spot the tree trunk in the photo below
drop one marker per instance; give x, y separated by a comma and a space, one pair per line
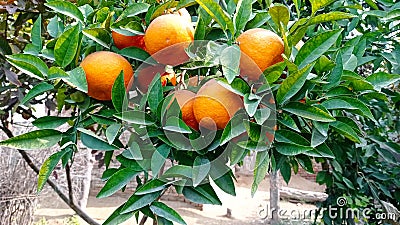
274, 197
86, 181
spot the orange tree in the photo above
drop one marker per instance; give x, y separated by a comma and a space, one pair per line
317, 93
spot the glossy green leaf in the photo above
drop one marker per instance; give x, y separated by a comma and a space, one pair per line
112, 132
292, 149
38, 139
136, 202
229, 61
382, 79
117, 181
175, 124
118, 93
92, 141
234, 128
345, 130
36, 90
50, 122
66, 8
260, 170
117, 217
135, 117
274, 72
315, 47
162, 210
201, 167
202, 194
317, 138
134, 9
279, 14
99, 35
218, 14
66, 46
242, 14
77, 79
155, 93
309, 112
289, 122
48, 166
348, 103
29, 64
225, 182
159, 157
288, 136
317, 4
36, 34
258, 20
179, 171
329, 16
292, 84
151, 186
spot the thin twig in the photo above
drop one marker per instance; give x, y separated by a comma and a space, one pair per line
69, 183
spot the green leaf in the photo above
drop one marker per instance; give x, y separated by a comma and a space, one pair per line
202, 194
242, 14
382, 79
36, 90
273, 72
309, 112
175, 124
279, 14
317, 4
260, 170
117, 217
166, 212
99, 35
118, 180
159, 157
201, 167
77, 79
163, 221
317, 138
178, 171
260, 19
150, 187
288, 136
292, 84
336, 73
348, 103
329, 16
29, 64
218, 14
50, 122
118, 94
291, 149
155, 93
92, 141
112, 132
234, 128
134, 9
289, 122
38, 139
225, 182
286, 171
345, 130
136, 202
66, 8
135, 117
229, 61
135, 151
162, 8
48, 166
316, 47
36, 34
66, 46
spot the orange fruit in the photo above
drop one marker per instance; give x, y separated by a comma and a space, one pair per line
146, 74
185, 101
215, 105
184, 13
169, 30
124, 41
262, 46
101, 69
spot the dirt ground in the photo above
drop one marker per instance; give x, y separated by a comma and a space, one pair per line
245, 210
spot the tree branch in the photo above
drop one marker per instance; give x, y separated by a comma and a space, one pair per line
69, 183
52, 184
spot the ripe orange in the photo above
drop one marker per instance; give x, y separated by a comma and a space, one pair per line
170, 30
146, 74
102, 68
185, 101
124, 41
215, 105
262, 46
